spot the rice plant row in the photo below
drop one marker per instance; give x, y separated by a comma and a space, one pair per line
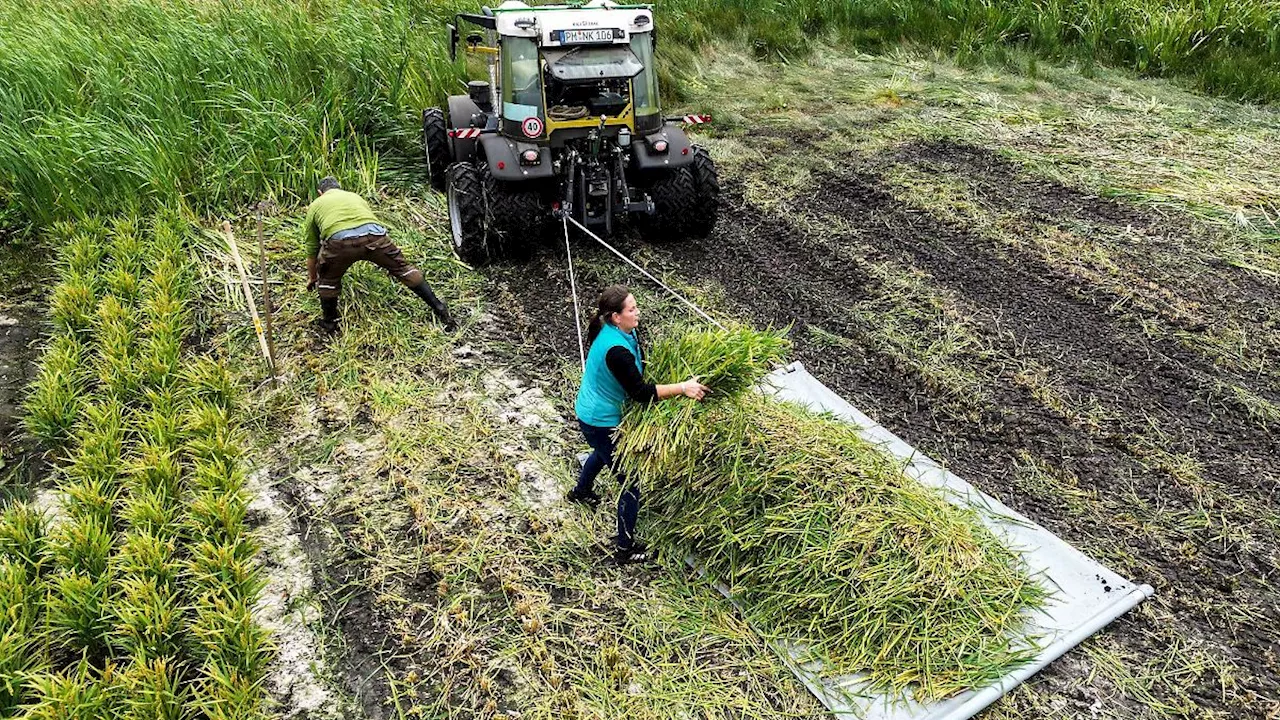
819, 535
134, 597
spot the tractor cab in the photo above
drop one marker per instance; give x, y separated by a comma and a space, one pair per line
568, 119
553, 66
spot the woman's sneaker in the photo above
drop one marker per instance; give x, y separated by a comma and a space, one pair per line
637, 553
590, 497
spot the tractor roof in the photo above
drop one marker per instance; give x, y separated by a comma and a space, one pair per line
545, 22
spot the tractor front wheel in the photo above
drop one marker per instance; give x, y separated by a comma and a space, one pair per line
519, 214
468, 213
673, 193
435, 145
706, 203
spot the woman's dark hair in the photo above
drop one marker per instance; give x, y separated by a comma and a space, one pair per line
611, 301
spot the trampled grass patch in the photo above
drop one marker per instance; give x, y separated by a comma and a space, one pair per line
820, 536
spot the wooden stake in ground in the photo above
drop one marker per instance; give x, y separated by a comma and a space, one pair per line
248, 296
266, 301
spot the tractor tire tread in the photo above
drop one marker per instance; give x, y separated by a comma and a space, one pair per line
707, 193
518, 217
674, 194
466, 189
435, 146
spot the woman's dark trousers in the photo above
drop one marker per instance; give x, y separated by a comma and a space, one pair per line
601, 441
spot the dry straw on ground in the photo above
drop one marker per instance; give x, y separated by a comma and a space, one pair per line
819, 535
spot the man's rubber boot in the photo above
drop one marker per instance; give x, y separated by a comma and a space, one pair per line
423, 290
329, 323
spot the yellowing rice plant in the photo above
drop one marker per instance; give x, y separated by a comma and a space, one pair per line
820, 536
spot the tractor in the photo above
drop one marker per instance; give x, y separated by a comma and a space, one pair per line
567, 123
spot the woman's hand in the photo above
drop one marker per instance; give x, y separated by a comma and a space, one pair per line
691, 388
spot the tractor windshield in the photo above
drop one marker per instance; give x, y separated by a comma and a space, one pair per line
585, 63
645, 84
521, 79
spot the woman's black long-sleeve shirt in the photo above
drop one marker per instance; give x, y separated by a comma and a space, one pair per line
622, 364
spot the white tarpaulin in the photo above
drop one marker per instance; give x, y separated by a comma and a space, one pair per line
1085, 596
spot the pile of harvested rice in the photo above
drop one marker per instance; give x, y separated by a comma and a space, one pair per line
819, 535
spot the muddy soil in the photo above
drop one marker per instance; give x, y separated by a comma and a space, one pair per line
19, 331
366, 647
21, 328
1180, 258
1211, 578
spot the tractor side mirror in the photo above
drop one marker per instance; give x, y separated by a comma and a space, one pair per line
453, 43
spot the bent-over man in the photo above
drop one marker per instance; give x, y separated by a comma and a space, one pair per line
341, 229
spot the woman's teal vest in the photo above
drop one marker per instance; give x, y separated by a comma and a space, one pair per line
601, 396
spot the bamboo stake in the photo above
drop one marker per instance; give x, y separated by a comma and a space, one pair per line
266, 301
248, 296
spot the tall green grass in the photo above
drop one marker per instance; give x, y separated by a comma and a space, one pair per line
110, 105
131, 104
1230, 48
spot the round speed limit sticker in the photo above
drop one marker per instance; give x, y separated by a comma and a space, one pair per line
532, 127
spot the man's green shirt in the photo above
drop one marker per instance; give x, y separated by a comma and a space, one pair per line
333, 212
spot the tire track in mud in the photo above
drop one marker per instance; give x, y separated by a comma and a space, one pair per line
762, 261
1062, 322
1175, 251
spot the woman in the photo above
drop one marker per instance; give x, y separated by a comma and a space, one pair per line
614, 373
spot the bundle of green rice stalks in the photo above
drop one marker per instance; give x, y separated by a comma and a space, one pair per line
729, 361
821, 537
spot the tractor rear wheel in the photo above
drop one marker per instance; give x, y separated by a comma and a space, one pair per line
435, 145
674, 196
706, 202
519, 216
468, 213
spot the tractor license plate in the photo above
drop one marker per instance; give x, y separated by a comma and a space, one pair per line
586, 36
